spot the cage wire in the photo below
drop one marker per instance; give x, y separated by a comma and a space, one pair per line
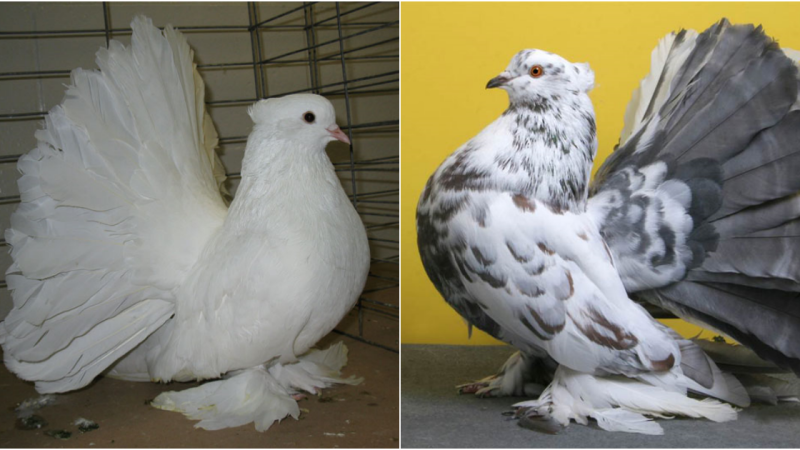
347, 52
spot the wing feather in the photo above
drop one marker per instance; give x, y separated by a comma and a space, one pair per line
573, 305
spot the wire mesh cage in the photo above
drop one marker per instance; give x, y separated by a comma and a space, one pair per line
348, 52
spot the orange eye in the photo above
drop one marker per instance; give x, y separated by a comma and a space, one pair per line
537, 71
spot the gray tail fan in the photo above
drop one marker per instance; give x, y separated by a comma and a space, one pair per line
718, 142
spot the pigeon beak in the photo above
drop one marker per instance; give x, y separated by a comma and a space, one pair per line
338, 134
499, 81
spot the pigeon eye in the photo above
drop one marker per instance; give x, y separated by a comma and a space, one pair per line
537, 71
309, 117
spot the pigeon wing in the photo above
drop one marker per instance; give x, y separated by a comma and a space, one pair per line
545, 280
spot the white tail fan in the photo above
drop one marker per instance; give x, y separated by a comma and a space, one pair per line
118, 198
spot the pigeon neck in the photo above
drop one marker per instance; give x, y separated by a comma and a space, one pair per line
552, 145
543, 152
281, 173
270, 153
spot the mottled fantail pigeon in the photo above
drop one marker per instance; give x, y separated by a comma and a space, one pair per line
696, 211
128, 262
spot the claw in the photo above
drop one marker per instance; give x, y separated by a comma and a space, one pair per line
523, 376
486, 388
472, 388
488, 392
492, 387
536, 415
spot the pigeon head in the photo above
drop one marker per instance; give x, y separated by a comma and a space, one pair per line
307, 119
536, 74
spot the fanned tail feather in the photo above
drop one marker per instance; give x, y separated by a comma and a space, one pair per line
666, 59
724, 124
119, 195
736, 358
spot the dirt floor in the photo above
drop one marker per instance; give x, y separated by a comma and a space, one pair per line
366, 415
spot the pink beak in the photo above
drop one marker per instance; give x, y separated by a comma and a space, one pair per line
338, 134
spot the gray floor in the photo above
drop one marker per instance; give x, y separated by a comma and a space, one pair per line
434, 415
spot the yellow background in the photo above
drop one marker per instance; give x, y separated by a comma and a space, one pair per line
450, 51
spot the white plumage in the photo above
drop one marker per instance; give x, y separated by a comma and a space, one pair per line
127, 259
616, 403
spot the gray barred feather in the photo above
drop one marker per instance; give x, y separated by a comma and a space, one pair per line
728, 132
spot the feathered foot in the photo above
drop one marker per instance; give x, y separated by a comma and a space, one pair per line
521, 375
537, 416
262, 394
616, 403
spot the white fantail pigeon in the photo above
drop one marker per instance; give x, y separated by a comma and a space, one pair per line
696, 210
128, 262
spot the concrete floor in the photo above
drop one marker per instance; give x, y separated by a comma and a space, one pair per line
344, 416
434, 415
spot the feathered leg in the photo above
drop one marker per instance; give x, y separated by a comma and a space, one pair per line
521, 375
617, 404
263, 394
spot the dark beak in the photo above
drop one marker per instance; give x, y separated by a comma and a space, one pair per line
497, 81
